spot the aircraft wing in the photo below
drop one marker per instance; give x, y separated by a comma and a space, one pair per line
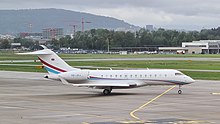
97, 84
103, 83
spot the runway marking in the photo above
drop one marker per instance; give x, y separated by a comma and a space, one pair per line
85, 123
139, 108
215, 93
133, 122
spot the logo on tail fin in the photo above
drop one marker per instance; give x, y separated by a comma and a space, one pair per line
51, 68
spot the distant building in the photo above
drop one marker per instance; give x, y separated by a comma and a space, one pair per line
123, 52
194, 47
46, 35
52, 33
151, 48
203, 46
6, 36
15, 45
173, 50
149, 27
30, 35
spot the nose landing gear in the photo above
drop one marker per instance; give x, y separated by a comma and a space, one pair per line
179, 91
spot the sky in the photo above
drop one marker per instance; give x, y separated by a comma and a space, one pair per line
169, 14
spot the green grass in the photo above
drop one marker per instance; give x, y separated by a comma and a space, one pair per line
198, 65
203, 75
88, 56
21, 68
13, 56
166, 64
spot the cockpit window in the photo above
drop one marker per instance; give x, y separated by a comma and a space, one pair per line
178, 74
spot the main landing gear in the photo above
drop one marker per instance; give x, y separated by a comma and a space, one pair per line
179, 91
107, 91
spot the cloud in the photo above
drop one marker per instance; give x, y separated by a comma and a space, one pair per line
141, 16
164, 13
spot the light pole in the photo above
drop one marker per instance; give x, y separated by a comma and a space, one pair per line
108, 44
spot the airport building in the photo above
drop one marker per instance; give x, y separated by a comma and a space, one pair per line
194, 47
172, 50
150, 48
202, 47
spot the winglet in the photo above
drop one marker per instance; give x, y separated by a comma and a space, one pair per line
40, 52
43, 46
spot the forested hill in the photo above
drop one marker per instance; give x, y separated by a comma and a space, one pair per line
34, 20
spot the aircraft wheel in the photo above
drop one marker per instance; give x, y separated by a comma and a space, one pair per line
106, 92
179, 91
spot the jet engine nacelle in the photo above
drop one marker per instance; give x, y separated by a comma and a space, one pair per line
52, 76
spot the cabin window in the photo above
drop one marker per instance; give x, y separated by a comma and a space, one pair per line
150, 75
136, 76
116, 75
110, 75
101, 75
126, 76
165, 75
178, 74
131, 76
155, 75
145, 75
120, 75
140, 76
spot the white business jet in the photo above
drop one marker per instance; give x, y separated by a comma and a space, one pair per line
107, 79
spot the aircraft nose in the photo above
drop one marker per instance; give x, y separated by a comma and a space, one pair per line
190, 80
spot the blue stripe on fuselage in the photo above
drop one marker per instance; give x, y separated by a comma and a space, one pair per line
51, 70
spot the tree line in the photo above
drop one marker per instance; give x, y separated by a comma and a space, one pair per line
100, 39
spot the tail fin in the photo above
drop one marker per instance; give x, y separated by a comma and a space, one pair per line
51, 61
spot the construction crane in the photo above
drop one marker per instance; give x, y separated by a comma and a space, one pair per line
74, 28
83, 23
75, 23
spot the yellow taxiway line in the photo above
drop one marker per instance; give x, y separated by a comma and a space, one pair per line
139, 108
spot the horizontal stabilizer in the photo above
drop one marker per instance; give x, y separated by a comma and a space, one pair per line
40, 52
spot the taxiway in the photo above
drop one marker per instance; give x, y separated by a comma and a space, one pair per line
29, 98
